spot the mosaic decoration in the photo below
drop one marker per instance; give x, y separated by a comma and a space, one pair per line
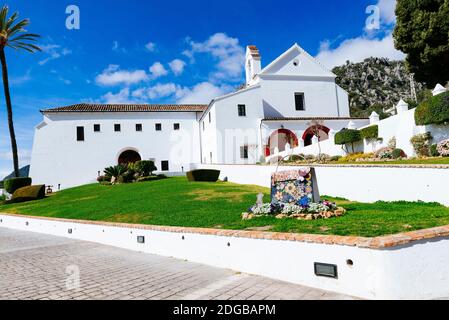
294, 187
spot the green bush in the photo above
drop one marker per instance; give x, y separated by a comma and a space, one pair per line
434, 150
145, 168
434, 110
203, 175
336, 158
370, 133
115, 171
421, 144
398, 153
11, 185
29, 193
346, 136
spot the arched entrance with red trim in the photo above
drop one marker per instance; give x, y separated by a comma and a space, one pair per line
312, 131
279, 139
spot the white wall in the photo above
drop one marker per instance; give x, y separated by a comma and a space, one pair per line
58, 158
418, 271
364, 184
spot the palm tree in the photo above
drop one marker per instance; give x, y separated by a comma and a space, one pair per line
13, 35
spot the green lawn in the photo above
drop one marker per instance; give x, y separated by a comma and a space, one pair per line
176, 202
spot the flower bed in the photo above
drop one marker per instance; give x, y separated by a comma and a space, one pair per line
311, 211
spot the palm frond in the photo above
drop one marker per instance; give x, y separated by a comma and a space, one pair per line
23, 45
11, 20
26, 36
3, 15
19, 27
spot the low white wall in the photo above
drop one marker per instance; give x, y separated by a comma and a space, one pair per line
365, 184
414, 272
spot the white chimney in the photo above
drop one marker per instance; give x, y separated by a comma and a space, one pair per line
438, 89
374, 117
253, 64
401, 107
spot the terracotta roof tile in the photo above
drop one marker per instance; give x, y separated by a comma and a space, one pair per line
84, 107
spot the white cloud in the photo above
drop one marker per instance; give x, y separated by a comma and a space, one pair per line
117, 48
387, 11
112, 76
24, 155
157, 70
150, 46
177, 66
162, 90
53, 52
358, 49
121, 97
229, 56
202, 93
21, 79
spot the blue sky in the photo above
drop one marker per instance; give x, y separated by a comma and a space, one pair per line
138, 51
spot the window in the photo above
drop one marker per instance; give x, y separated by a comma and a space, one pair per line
165, 166
244, 152
299, 102
117, 127
139, 127
97, 128
242, 110
204, 126
211, 157
79, 133
158, 127
176, 126
210, 117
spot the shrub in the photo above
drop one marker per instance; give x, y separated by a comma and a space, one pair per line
384, 153
11, 185
434, 110
398, 153
370, 133
421, 144
203, 175
296, 157
323, 157
128, 176
29, 193
101, 179
347, 136
392, 143
443, 148
336, 158
434, 150
354, 157
115, 171
145, 168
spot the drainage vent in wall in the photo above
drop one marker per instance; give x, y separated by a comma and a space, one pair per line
141, 239
70, 231
326, 270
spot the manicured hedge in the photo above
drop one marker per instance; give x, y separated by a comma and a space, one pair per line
203, 175
369, 133
152, 178
30, 193
346, 136
433, 111
11, 185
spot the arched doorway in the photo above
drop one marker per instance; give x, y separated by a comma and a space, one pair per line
129, 156
279, 139
323, 133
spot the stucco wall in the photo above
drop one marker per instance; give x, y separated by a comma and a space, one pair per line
416, 271
365, 184
58, 158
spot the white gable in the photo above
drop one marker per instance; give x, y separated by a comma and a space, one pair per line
296, 62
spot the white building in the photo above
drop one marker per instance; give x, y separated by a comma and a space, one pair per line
277, 109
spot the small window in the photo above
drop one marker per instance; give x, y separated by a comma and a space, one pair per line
242, 110
139, 127
204, 126
79, 133
299, 102
97, 128
158, 127
211, 157
210, 117
117, 127
244, 152
176, 126
165, 166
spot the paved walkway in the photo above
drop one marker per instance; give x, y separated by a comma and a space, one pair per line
35, 266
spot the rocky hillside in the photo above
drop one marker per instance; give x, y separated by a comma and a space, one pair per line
375, 84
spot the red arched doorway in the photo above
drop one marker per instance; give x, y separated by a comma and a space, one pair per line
279, 139
312, 131
129, 156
